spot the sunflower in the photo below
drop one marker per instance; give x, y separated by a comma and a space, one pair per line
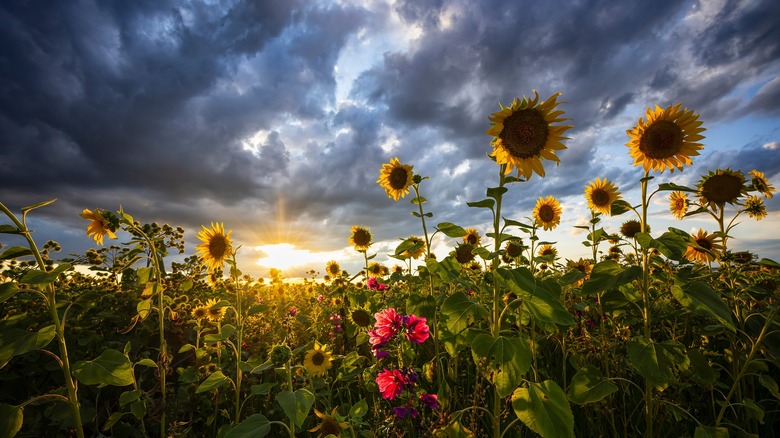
214, 314
678, 204
667, 139
463, 253
361, 318
99, 227
317, 360
395, 178
547, 212
398, 269
548, 251
333, 268
583, 266
615, 252
761, 184
330, 425
600, 194
200, 312
721, 186
472, 237
631, 228
374, 269
415, 254
360, 238
514, 248
524, 134
704, 249
754, 207
216, 246
473, 266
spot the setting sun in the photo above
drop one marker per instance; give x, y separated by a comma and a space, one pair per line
284, 256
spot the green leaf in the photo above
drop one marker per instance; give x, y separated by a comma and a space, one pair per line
112, 420
129, 397
510, 359
701, 370
711, 432
453, 430
411, 245
607, 275
34, 276
421, 305
656, 361
543, 407
7, 290
770, 384
698, 297
769, 263
16, 342
9, 229
226, 332
11, 419
418, 200
138, 409
541, 303
212, 382
143, 275
254, 426
619, 207
296, 405
359, 409
14, 252
146, 362
671, 244
143, 308
38, 205
110, 368
451, 230
485, 203
588, 386
675, 187
458, 311
496, 192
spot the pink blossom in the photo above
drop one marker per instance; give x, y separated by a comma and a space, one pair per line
388, 323
430, 400
391, 383
417, 330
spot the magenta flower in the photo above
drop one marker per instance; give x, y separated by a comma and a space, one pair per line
417, 330
430, 400
293, 311
403, 411
391, 383
388, 323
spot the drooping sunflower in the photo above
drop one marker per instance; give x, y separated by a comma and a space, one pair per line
395, 178
463, 253
667, 139
548, 251
317, 360
720, 187
360, 238
330, 424
705, 249
524, 134
214, 313
333, 268
472, 237
583, 266
678, 204
631, 227
754, 207
99, 227
547, 212
200, 312
415, 253
600, 194
761, 184
216, 246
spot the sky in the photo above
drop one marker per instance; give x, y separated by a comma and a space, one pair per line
275, 117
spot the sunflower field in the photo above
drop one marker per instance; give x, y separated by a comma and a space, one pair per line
665, 334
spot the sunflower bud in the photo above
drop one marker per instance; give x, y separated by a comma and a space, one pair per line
280, 354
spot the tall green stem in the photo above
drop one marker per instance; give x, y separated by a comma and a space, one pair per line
240, 330
496, 326
646, 308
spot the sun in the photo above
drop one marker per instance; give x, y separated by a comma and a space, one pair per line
284, 256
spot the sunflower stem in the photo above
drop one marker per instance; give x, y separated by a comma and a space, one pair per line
646, 309
496, 327
240, 333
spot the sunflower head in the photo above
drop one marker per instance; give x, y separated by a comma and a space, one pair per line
214, 313
547, 212
600, 194
463, 253
473, 266
548, 252
216, 246
514, 248
615, 252
524, 134
761, 184
200, 312
720, 187
332, 268
395, 178
330, 424
317, 360
375, 269
703, 248
360, 238
678, 204
280, 354
631, 228
754, 207
472, 237
667, 139
102, 223
415, 253
361, 318
583, 266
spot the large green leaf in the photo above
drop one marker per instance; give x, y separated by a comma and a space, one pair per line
110, 368
16, 342
451, 230
7, 290
11, 419
607, 275
509, 358
34, 276
9, 229
14, 252
225, 332
296, 405
458, 311
698, 297
541, 303
253, 426
671, 244
212, 382
701, 370
588, 386
657, 361
543, 407
421, 305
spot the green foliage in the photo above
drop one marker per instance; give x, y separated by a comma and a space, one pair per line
543, 407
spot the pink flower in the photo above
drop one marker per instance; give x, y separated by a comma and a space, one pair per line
391, 383
430, 400
320, 298
293, 311
388, 323
377, 343
417, 330
403, 411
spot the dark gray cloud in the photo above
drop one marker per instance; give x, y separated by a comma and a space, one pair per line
190, 112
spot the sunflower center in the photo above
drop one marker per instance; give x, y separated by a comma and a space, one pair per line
662, 139
514, 250
722, 188
329, 427
600, 197
546, 213
361, 237
318, 358
471, 239
547, 252
217, 247
525, 133
679, 204
704, 243
398, 178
